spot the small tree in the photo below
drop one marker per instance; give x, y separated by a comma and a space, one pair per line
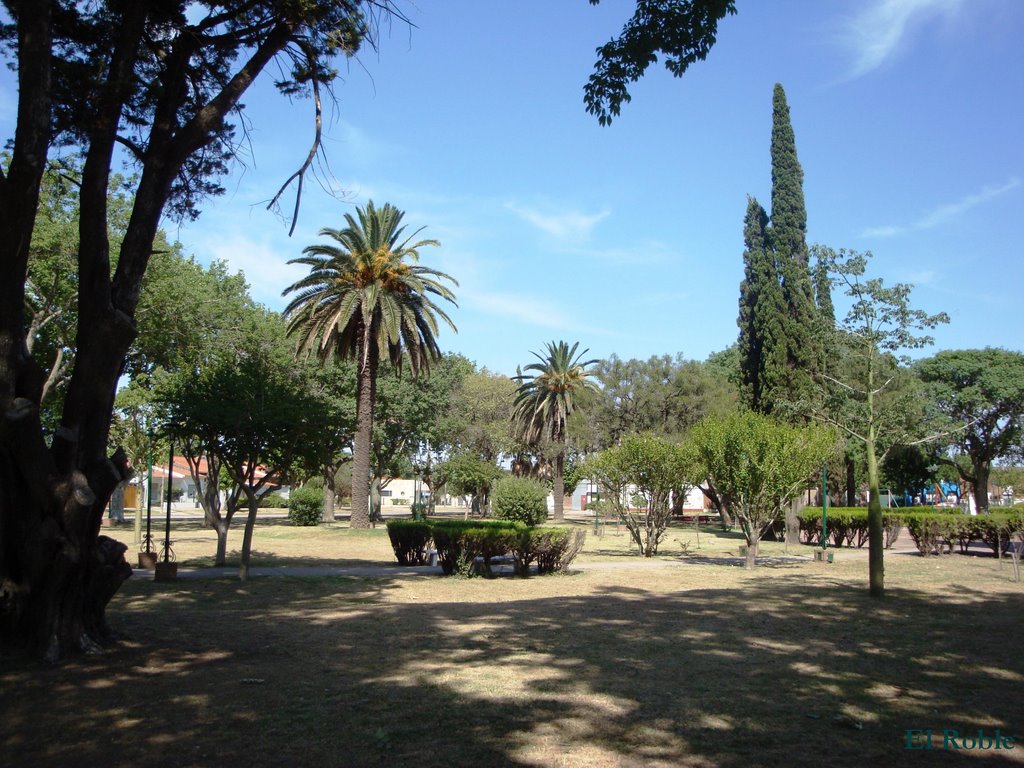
464, 474
647, 469
759, 465
865, 400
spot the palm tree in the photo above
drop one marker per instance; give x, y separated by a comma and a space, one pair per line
545, 400
366, 297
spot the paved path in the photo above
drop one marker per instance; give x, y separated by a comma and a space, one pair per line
313, 571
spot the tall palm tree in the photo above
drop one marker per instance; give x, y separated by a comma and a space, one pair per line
367, 297
544, 401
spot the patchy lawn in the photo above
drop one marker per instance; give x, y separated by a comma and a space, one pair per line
699, 663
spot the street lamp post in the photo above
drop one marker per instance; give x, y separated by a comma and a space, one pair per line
167, 570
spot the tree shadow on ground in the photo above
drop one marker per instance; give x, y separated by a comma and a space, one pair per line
337, 672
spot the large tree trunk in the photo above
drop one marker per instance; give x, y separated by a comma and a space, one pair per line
750, 563
366, 390
327, 515
982, 471
558, 483
793, 510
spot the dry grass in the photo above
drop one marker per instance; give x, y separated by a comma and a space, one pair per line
699, 664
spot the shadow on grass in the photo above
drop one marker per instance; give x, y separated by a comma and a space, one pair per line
336, 672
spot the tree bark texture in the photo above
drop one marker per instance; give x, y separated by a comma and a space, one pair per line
558, 481
57, 574
330, 492
366, 390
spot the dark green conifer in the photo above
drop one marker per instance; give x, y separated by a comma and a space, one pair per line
760, 311
787, 237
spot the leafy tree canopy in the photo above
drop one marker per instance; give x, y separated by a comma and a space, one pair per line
682, 31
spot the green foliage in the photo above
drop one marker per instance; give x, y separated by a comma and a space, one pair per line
553, 549
663, 395
411, 411
464, 473
977, 397
460, 542
650, 468
273, 501
519, 499
545, 400
371, 278
368, 298
779, 322
847, 526
305, 506
410, 540
870, 398
479, 421
758, 464
680, 33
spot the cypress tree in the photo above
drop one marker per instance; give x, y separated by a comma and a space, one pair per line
760, 312
787, 238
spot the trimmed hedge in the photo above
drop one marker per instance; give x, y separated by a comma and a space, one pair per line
934, 533
410, 540
306, 506
460, 542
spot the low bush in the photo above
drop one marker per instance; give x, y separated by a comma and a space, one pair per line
273, 501
934, 533
555, 548
410, 539
305, 506
519, 499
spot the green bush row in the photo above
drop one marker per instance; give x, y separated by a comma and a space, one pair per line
933, 532
460, 542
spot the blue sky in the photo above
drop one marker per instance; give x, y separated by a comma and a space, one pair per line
909, 118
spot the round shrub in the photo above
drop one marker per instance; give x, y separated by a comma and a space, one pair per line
305, 506
519, 499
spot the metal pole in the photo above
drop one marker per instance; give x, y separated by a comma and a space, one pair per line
824, 507
167, 530
149, 498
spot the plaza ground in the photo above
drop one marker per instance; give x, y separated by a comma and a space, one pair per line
688, 661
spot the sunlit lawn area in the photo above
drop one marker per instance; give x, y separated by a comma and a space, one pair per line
699, 663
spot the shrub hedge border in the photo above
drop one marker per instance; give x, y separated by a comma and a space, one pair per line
933, 532
460, 542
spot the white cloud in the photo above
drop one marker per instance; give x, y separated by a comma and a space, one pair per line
265, 267
563, 225
877, 33
945, 212
530, 310
951, 210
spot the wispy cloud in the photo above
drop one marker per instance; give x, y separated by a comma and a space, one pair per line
945, 212
265, 267
530, 310
562, 225
877, 33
